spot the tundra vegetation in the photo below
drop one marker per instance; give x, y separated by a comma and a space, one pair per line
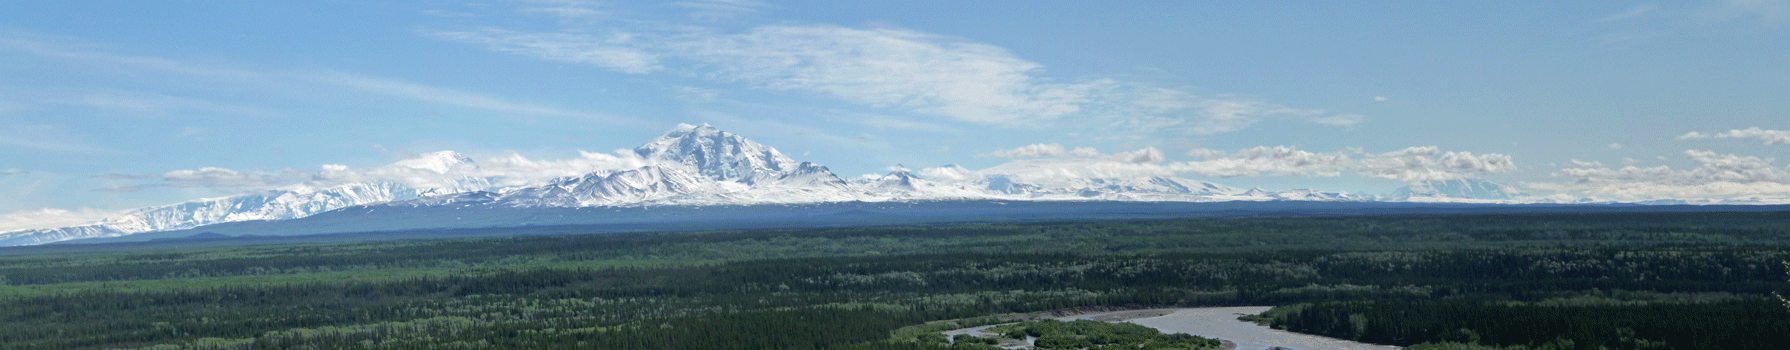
1511, 281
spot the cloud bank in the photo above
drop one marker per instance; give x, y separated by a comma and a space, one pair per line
1717, 176
1410, 164
51, 217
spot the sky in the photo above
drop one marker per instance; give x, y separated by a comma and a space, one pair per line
107, 106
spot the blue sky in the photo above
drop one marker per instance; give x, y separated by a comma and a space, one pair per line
107, 106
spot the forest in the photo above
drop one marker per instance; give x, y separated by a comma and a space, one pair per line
1459, 281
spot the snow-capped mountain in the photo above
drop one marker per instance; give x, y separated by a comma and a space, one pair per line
718, 155
1442, 190
690, 165
644, 184
287, 203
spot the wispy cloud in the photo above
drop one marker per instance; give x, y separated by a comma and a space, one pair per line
891, 68
1621, 38
455, 97
156, 103
47, 138
1631, 13
887, 122
1171, 111
570, 9
333, 80
80, 50
611, 51
1769, 13
1769, 137
1344, 120
208, 177
715, 10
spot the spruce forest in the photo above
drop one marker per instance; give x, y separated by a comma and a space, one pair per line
1463, 281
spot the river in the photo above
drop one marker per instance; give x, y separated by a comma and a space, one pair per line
1220, 323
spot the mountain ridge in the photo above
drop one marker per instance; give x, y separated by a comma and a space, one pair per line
689, 165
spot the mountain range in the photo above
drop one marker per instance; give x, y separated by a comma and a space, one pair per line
695, 166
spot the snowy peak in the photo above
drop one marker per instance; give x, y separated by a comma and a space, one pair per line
439, 162
718, 155
811, 175
607, 188
898, 180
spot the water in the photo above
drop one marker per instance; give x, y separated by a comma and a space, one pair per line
1222, 323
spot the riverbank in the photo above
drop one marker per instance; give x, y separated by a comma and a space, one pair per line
1212, 322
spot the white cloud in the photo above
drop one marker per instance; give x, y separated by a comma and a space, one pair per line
1409, 164
51, 217
1381, 99
211, 177
950, 173
1631, 13
1769, 137
1052, 163
881, 67
1263, 160
1040, 150
1049, 171
1614, 146
1717, 176
1340, 120
1030, 151
1145, 155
